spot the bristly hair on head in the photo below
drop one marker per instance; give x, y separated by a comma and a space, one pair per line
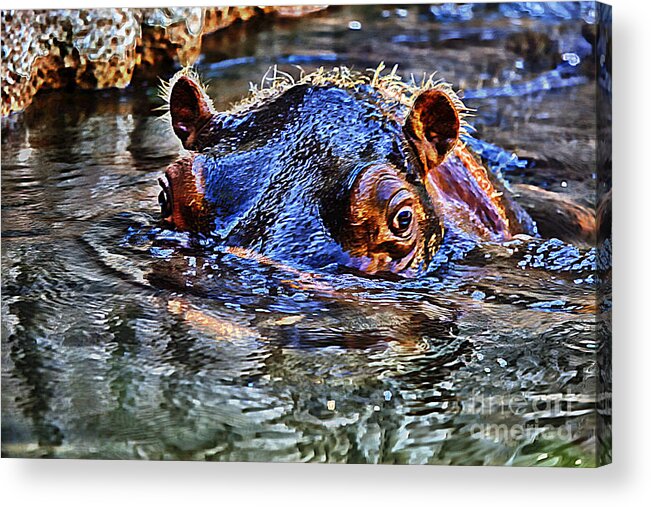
275, 82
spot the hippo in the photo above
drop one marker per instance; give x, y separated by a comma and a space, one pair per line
360, 171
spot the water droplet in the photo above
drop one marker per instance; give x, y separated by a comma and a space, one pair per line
572, 58
478, 295
25, 154
354, 25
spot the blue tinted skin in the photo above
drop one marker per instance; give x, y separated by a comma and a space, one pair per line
278, 178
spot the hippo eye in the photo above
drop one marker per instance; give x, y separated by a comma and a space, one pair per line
401, 222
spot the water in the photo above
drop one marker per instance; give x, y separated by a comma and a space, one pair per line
119, 340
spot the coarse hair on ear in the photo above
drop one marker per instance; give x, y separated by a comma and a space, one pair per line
190, 108
433, 126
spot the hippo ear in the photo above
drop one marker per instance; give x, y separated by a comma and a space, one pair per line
433, 126
190, 109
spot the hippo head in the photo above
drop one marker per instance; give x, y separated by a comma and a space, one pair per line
334, 170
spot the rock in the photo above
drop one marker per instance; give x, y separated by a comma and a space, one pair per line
101, 48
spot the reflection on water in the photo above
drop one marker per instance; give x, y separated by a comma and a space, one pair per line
120, 340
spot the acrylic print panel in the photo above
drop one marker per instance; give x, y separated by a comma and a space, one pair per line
351, 234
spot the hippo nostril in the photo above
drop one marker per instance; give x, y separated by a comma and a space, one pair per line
165, 199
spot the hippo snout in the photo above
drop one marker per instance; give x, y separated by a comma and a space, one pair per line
181, 198
165, 197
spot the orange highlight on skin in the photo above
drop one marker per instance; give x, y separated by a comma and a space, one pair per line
478, 172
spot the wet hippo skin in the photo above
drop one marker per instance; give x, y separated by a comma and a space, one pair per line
355, 170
